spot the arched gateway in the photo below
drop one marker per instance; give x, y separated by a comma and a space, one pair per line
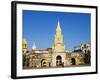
58, 61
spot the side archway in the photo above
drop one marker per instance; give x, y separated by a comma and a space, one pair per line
43, 63
73, 61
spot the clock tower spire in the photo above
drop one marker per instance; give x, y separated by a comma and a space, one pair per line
58, 45
58, 35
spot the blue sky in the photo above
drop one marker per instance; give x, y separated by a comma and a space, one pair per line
40, 27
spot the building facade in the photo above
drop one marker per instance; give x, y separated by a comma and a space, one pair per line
85, 48
57, 56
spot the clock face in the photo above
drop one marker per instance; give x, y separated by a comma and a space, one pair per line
58, 39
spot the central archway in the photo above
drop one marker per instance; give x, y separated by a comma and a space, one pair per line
58, 61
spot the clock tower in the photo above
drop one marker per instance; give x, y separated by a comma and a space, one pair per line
58, 48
